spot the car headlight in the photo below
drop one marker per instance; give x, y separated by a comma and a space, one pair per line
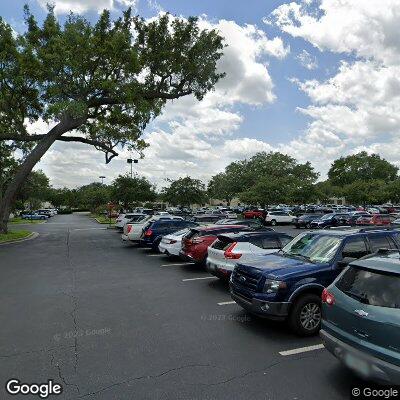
272, 286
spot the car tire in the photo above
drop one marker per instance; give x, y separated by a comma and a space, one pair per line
308, 226
305, 315
273, 222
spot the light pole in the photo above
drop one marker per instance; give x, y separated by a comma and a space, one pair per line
102, 179
132, 161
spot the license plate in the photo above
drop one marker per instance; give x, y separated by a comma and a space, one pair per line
357, 364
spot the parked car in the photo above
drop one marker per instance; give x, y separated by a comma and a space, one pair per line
155, 230
133, 230
45, 211
171, 244
375, 219
206, 218
279, 217
287, 285
255, 223
229, 248
34, 216
361, 317
329, 220
304, 221
255, 213
351, 218
122, 219
196, 242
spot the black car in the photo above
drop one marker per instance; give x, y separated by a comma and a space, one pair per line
352, 218
304, 221
329, 220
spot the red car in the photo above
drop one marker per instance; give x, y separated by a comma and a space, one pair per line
195, 243
255, 213
375, 219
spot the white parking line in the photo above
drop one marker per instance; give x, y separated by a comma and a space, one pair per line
199, 279
156, 255
175, 265
225, 303
301, 350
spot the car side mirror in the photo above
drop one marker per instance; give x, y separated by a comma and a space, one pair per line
345, 261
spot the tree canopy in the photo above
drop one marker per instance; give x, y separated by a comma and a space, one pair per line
105, 81
185, 192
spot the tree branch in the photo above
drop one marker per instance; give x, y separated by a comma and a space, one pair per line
108, 149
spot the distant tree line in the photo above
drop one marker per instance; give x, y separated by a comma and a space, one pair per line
264, 179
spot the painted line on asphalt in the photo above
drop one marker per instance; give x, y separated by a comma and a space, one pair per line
175, 265
199, 279
225, 303
156, 255
301, 350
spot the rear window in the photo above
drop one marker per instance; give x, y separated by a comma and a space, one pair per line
371, 287
222, 243
381, 242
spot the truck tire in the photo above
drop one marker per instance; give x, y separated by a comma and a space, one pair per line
305, 315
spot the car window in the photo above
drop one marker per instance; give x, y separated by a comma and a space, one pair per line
285, 239
270, 243
355, 248
371, 287
380, 242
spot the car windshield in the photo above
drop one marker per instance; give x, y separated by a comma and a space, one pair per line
313, 247
327, 216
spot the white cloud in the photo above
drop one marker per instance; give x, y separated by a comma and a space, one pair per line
82, 6
307, 60
368, 28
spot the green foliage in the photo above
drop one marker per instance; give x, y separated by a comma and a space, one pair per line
363, 192
94, 195
265, 178
361, 167
184, 192
13, 235
126, 190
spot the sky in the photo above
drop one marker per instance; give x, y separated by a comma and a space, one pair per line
315, 79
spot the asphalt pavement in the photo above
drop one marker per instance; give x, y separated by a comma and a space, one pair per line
109, 320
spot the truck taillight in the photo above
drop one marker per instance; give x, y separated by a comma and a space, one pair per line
228, 252
129, 228
327, 297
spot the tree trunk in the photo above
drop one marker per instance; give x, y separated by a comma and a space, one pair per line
26, 167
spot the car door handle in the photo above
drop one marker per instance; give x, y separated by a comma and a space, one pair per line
361, 333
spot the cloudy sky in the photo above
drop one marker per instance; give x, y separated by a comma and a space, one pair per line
316, 79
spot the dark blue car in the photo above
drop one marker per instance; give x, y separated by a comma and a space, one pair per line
155, 230
287, 285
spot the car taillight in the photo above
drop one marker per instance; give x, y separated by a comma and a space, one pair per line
228, 252
328, 298
149, 232
129, 228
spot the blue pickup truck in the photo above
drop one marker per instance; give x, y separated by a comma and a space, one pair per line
287, 285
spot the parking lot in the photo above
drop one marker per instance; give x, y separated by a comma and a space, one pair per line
108, 320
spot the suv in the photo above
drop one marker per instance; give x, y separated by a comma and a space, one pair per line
329, 220
287, 285
279, 217
255, 213
304, 221
229, 248
361, 317
155, 230
195, 243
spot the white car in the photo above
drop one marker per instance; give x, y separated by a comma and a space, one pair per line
133, 230
280, 217
171, 244
241, 247
122, 219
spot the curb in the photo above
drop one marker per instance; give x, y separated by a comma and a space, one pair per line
33, 235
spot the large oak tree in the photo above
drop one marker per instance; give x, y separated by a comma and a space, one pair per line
104, 82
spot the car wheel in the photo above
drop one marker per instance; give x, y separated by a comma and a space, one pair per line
273, 222
305, 317
308, 226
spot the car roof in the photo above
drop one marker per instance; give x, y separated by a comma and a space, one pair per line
383, 260
249, 234
345, 232
216, 227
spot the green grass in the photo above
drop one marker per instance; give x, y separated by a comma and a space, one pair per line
13, 235
102, 219
19, 220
